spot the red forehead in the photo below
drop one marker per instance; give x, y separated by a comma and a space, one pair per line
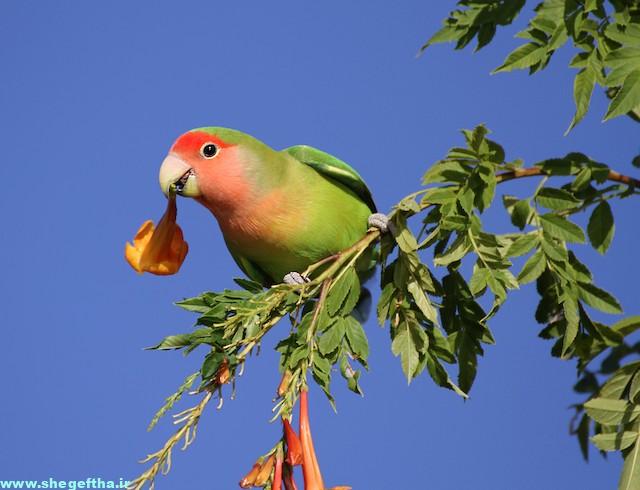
193, 141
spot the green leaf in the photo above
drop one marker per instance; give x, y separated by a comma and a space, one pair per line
561, 228
523, 245
627, 326
344, 294
627, 98
583, 85
556, 199
249, 285
630, 478
478, 281
521, 213
384, 303
523, 56
607, 411
183, 340
615, 441
408, 342
404, 237
601, 227
532, 268
598, 298
456, 251
423, 302
357, 338
570, 309
332, 337
197, 304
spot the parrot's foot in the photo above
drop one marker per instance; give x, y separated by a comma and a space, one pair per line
380, 221
295, 278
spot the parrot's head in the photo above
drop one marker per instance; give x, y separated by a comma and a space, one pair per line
218, 167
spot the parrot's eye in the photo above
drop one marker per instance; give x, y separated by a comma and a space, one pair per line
209, 150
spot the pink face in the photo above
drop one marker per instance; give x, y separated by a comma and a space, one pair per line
203, 166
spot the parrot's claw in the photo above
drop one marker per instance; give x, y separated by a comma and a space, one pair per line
380, 221
295, 279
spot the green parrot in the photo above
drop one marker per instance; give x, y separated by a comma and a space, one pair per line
279, 211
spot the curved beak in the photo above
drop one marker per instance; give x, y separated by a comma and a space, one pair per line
176, 176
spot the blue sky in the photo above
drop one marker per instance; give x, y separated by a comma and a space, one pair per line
92, 96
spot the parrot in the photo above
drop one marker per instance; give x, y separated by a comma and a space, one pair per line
278, 211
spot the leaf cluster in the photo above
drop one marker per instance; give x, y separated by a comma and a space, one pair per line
605, 34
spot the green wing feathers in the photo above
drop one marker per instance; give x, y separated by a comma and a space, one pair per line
333, 168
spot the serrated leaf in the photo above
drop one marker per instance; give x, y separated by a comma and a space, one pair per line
249, 285
344, 293
601, 227
422, 302
332, 337
532, 268
404, 346
608, 411
630, 477
456, 251
197, 304
556, 199
561, 228
627, 326
616, 441
583, 85
523, 56
627, 98
183, 340
570, 310
523, 245
520, 213
357, 338
478, 281
384, 302
598, 298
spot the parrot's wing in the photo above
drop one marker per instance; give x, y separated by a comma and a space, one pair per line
252, 271
333, 168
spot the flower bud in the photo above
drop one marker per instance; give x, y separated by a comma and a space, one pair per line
265, 472
250, 478
223, 375
284, 383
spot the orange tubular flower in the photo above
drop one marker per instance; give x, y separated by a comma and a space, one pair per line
294, 447
287, 477
265, 472
160, 250
310, 468
277, 473
250, 478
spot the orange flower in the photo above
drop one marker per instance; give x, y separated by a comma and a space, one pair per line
277, 473
294, 448
250, 478
310, 467
160, 250
287, 477
265, 472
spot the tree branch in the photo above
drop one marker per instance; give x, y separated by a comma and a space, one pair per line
536, 171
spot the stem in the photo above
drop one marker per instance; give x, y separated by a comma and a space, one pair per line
535, 171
